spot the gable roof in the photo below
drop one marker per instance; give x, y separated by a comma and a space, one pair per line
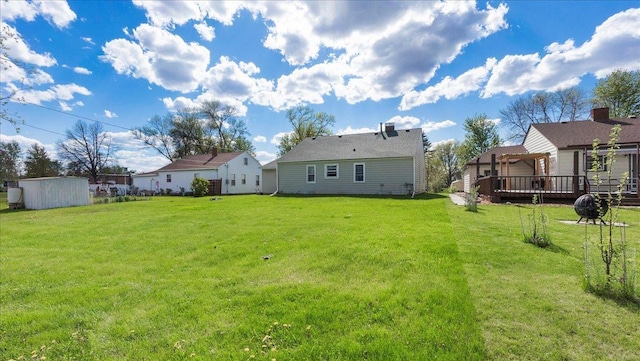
388, 144
582, 133
485, 158
200, 161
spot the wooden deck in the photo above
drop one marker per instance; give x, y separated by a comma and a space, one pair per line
550, 189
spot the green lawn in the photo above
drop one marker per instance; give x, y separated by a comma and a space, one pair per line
347, 278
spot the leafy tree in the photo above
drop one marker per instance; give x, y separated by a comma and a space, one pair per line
620, 92
543, 107
87, 147
157, 135
229, 132
481, 134
189, 134
442, 165
39, 164
196, 131
305, 123
9, 160
426, 143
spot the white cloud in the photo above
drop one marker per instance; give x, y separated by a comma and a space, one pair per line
350, 130
60, 92
431, 126
376, 51
613, 45
110, 114
260, 139
56, 12
265, 157
440, 142
88, 40
81, 70
404, 122
17, 49
159, 57
205, 31
24, 142
450, 88
275, 140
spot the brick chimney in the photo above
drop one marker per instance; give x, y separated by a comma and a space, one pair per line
214, 152
600, 114
389, 127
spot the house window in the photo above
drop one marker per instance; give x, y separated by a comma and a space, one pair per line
257, 180
233, 180
331, 171
311, 174
601, 163
246, 161
358, 172
243, 179
168, 178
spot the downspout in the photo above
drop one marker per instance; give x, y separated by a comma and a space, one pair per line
414, 178
277, 182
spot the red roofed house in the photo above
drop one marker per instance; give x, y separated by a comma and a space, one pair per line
555, 160
227, 173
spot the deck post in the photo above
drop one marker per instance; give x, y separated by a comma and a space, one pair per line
576, 172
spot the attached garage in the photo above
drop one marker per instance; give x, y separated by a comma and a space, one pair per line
54, 192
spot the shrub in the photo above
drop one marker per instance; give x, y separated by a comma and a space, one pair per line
536, 231
199, 186
471, 200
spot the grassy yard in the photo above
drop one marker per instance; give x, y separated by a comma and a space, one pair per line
177, 278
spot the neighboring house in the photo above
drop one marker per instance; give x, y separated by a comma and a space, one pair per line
227, 173
557, 158
385, 162
480, 166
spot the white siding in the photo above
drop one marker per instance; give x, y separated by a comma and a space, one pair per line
55, 192
268, 181
535, 142
382, 176
183, 178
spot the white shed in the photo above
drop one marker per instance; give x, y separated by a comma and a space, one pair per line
54, 192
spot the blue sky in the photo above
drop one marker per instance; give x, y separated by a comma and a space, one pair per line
418, 64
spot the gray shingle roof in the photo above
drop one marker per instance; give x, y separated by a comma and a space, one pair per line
398, 143
582, 133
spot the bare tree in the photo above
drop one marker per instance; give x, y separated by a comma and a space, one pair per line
157, 135
88, 147
543, 107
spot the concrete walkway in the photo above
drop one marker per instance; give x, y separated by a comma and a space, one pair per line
457, 198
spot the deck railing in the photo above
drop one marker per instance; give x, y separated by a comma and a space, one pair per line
570, 185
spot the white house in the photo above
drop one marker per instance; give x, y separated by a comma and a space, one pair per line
386, 162
227, 173
557, 157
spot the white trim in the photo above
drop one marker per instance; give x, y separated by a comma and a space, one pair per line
337, 170
315, 173
364, 177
